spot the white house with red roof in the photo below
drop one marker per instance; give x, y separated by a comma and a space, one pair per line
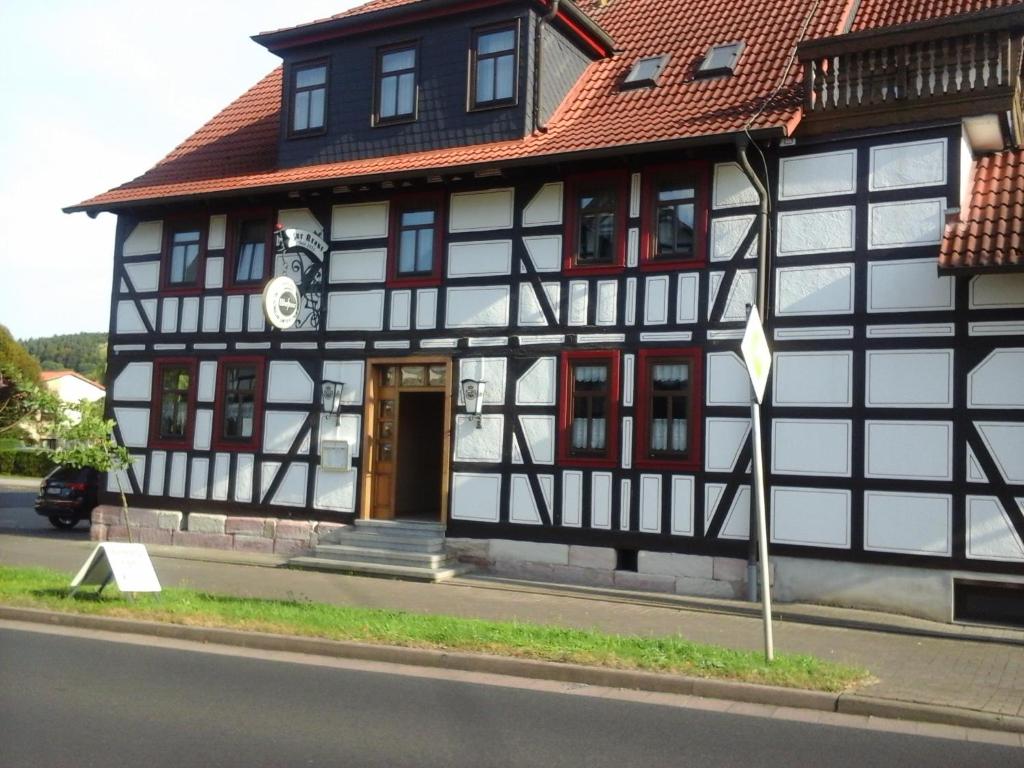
71, 386
464, 283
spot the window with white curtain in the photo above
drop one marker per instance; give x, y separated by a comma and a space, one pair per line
668, 432
589, 409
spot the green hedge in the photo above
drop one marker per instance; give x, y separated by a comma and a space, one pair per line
25, 463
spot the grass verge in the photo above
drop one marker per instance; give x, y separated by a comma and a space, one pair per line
38, 588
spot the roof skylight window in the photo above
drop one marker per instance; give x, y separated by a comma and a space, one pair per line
720, 60
645, 72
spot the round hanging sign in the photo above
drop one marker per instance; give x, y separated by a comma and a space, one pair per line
281, 302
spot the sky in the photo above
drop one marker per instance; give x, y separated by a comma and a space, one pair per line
93, 94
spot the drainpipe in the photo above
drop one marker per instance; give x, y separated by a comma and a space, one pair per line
538, 60
762, 305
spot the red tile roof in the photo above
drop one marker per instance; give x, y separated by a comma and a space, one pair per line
990, 233
237, 149
54, 375
874, 14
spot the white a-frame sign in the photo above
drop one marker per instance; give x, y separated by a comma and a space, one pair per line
127, 565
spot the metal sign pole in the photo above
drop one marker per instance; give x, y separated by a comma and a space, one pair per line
762, 531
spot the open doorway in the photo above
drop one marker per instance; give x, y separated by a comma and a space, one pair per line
420, 451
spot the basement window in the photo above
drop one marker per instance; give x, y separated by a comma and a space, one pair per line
720, 60
645, 72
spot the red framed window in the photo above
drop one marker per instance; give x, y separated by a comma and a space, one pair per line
589, 408
183, 255
668, 412
250, 250
674, 215
174, 386
307, 114
238, 415
596, 209
415, 242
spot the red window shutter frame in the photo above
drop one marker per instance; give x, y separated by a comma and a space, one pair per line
619, 182
232, 239
695, 356
155, 440
565, 407
396, 206
202, 223
217, 439
701, 174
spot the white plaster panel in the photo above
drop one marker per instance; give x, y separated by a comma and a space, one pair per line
335, 491
169, 316
292, 490
628, 365
217, 238
355, 311
539, 432
910, 378
909, 285
207, 385
906, 224
245, 463
632, 246
813, 379
211, 314
401, 310
346, 428
135, 382
656, 300
634, 195
479, 445
975, 474
119, 481
579, 292
814, 290
545, 209
134, 426
572, 498
280, 429
1005, 443
176, 482
650, 503
493, 370
913, 523
682, 505
480, 259
199, 478
155, 476
627, 442
145, 275
607, 302
996, 381
477, 307
128, 318
724, 441
213, 273
299, 218
820, 175
256, 320
815, 447
741, 293
601, 500
522, 504
367, 265
190, 314
737, 519
235, 308
686, 301
145, 239
997, 291
538, 385
727, 235
545, 251
288, 382
221, 477
426, 308
360, 221
631, 301
732, 188
203, 431
811, 517
727, 380
911, 164
909, 449
990, 532
625, 503
530, 312
821, 230
476, 496
481, 211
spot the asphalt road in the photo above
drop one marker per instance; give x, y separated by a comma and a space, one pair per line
73, 701
18, 516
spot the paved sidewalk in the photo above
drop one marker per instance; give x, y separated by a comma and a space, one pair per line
915, 661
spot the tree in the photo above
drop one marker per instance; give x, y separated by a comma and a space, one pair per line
22, 396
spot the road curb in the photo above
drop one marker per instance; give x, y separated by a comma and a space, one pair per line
853, 704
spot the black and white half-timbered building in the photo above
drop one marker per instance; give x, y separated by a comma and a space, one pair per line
522, 238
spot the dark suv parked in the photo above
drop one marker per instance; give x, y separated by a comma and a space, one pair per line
67, 496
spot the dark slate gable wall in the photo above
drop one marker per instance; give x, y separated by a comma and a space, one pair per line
443, 120
562, 65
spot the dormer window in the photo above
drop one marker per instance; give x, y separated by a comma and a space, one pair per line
645, 72
309, 98
396, 85
720, 60
493, 67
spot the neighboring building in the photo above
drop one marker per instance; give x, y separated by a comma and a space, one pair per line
563, 200
71, 386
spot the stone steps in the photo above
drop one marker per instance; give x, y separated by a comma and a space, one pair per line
386, 556
362, 568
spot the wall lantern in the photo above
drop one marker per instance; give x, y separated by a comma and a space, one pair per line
473, 397
330, 393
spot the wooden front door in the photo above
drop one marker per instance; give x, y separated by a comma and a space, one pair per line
390, 469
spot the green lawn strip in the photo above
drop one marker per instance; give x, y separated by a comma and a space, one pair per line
37, 588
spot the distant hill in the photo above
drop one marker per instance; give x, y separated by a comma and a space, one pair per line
85, 353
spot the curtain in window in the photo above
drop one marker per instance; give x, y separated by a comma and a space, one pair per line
670, 376
597, 434
659, 435
591, 374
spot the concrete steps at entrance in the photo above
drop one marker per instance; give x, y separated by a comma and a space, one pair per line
401, 549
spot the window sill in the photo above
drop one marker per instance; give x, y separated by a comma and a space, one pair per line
652, 265
417, 281
668, 465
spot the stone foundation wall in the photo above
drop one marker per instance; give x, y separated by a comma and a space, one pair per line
263, 535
